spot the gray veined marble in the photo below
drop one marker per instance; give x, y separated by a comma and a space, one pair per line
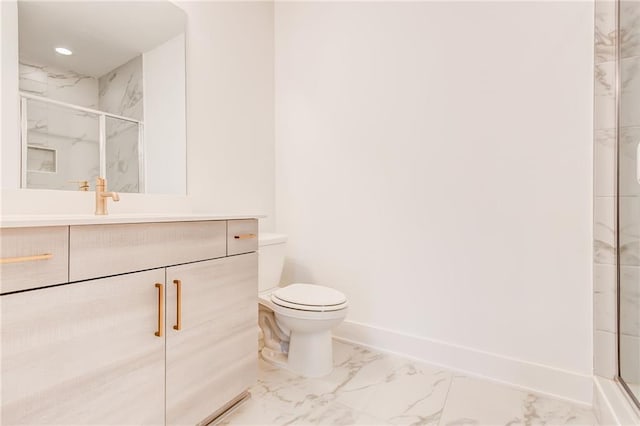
629, 230
604, 244
629, 28
473, 401
628, 185
366, 387
630, 300
371, 388
604, 164
605, 31
122, 155
629, 91
605, 297
605, 96
121, 90
60, 85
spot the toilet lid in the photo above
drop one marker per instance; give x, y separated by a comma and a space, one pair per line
309, 297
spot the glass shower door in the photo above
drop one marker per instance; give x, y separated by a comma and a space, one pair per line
60, 146
629, 197
123, 157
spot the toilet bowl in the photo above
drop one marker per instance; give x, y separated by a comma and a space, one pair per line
295, 320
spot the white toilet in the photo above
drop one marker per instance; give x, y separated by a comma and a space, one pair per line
295, 320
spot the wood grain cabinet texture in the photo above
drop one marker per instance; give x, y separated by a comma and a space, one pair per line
212, 358
102, 250
87, 352
84, 353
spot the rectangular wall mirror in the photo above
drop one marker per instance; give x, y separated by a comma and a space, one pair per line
102, 93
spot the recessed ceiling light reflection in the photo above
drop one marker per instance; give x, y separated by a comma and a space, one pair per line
63, 51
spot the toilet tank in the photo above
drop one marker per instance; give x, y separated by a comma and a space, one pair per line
271, 249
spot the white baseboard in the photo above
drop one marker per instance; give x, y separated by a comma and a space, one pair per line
540, 378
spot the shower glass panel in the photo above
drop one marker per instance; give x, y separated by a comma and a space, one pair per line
64, 145
629, 196
60, 145
123, 155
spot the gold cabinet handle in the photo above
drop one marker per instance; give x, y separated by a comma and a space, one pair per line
244, 236
21, 259
178, 325
160, 288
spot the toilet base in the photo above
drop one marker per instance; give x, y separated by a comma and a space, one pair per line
298, 340
273, 357
310, 354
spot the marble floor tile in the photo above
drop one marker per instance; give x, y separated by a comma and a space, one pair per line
473, 401
367, 387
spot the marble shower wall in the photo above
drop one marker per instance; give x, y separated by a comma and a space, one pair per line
604, 276
72, 134
122, 155
65, 86
121, 93
120, 90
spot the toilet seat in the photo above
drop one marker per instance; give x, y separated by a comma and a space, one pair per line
309, 297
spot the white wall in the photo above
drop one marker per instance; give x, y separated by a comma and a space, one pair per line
164, 99
433, 162
9, 101
230, 149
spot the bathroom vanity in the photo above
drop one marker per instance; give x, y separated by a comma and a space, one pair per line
109, 321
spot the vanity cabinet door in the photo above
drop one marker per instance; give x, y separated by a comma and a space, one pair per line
84, 353
211, 359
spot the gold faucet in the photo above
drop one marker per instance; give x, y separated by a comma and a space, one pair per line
101, 196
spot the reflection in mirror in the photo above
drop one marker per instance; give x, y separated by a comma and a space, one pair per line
62, 145
101, 97
122, 155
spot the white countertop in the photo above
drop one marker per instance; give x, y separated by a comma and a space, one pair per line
24, 221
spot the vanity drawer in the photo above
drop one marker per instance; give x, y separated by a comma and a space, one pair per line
33, 257
242, 236
103, 250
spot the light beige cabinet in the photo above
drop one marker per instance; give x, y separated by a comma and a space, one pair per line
211, 344
174, 344
84, 353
